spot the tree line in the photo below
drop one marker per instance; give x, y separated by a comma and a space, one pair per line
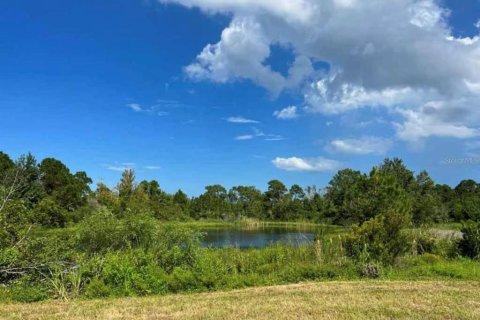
49, 194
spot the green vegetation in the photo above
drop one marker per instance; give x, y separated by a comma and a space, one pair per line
59, 239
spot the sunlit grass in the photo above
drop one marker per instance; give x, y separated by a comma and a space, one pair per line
327, 300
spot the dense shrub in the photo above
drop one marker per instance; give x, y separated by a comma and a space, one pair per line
24, 290
183, 279
176, 246
99, 232
371, 270
14, 222
380, 239
424, 242
49, 213
103, 231
447, 248
470, 243
97, 288
133, 272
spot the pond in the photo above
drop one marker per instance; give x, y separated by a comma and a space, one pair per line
255, 238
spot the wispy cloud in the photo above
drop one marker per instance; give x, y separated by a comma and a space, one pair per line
260, 134
267, 136
128, 164
159, 108
170, 104
360, 146
318, 164
245, 137
135, 107
152, 167
188, 122
240, 119
273, 137
118, 168
287, 113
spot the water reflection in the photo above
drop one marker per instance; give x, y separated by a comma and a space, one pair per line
259, 238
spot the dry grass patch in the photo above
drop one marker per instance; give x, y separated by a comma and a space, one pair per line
328, 300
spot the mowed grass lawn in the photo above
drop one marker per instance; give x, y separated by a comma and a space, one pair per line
321, 300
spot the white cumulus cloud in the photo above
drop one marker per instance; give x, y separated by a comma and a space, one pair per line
318, 164
393, 54
420, 125
286, 113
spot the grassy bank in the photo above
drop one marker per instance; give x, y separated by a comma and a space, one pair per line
254, 224
328, 300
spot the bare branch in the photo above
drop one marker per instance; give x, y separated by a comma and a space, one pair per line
11, 190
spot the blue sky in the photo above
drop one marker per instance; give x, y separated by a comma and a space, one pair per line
197, 92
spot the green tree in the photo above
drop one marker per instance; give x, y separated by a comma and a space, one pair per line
30, 188
316, 205
467, 201
276, 191
296, 208
347, 192
126, 186
276, 200
396, 168
427, 205
49, 214
107, 197
385, 194
246, 201
69, 191
212, 203
5, 163
447, 198
181, 199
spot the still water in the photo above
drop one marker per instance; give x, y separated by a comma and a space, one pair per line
258, 238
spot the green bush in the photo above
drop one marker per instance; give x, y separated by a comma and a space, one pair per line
130, 273
97, 289
99, 232
424, 242
183, 279
120, 273
14, 222
103, 231
8, 257
25, 291
470, 243
176, 246
49, 213
380, 239
447, 248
